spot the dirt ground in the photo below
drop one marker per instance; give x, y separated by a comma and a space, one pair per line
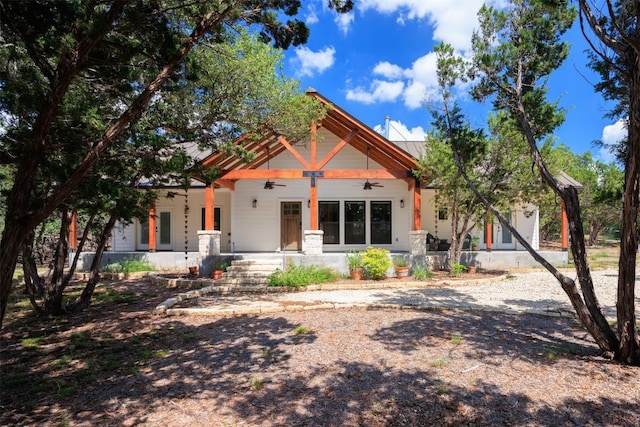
118, 364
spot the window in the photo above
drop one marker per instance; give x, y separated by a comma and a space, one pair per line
443, 213
144, 232
216, 219
329, 222
354, 222
380, 223
165, 228
506, 234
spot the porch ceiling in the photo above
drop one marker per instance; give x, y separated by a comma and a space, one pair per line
395, 160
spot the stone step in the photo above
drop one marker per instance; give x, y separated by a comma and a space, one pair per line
246, 281
251, 273
260, 261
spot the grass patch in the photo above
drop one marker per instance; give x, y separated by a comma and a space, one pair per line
421, 273
301, 330
31, 343
554, 351
298, 276
113, 296
440, 363
456, 339
128, 265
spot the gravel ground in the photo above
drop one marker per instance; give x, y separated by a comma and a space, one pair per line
529, 292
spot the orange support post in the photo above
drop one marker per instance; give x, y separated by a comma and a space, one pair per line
564, 228
73, 231
152, 228
313, 213
417, 206
209, 198
488, 238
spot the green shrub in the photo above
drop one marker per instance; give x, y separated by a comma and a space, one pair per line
128, 265
421, 273
376, 262
457, 269
301, 275
354, 259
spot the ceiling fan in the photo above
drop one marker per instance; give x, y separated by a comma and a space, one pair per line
369, 185
269, 185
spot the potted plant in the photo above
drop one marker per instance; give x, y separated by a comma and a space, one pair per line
193, 271
354, 261
474, 243
218, 270
401, 265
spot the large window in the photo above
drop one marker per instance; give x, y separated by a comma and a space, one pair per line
329, 222
380, 223
354, 223
144, 232
216, 219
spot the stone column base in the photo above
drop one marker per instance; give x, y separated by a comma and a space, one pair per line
418, 242
209, 250
312, 244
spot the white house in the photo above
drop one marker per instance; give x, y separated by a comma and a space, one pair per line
346, 187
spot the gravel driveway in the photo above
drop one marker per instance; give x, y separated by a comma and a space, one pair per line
534, 292
530, 292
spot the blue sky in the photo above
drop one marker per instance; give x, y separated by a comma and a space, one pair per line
378, 61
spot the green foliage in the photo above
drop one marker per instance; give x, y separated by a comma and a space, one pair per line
298, 276
376, 263
400, 261
129, 265
420, 273
301, 330
354, 259
457, 269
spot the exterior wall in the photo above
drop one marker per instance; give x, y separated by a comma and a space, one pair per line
127, 238
258, 229
524, 218
123, 237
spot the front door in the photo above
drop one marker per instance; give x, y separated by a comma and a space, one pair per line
291, 226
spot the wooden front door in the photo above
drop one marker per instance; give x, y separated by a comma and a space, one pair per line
291, 226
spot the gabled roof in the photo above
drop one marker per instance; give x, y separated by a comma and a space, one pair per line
337, 121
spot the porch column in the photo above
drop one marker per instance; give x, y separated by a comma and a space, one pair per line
564, 228
489, 232
209, 200
313, 212
73, 231
208, 249
417, 205
312, 244
152, 228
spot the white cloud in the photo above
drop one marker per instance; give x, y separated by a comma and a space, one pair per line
611, 135
311, 62
398, 131
379, 91
344, 20
311, 16
388, 70
419, 83
452, 21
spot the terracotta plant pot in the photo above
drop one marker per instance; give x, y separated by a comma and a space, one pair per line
402, 272
217, 274
356, 273
471, 269
193, 271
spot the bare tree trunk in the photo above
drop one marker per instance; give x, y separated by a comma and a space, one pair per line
84, 300
54, 290
629, 351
